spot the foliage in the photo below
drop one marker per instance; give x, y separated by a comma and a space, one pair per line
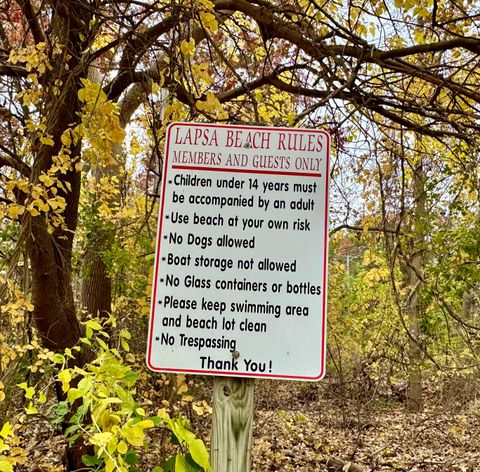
100, 406
86, 91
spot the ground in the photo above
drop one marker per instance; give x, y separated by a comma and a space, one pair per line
298, 427
380, 436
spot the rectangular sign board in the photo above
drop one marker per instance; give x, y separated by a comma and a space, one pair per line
240, 280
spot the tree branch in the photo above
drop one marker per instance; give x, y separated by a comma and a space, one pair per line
31, 18
132, 53
361, 229
20, 166
13, 71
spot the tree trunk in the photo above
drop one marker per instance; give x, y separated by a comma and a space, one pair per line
96, 278
49, 247
96, 282
415, 308
50, 251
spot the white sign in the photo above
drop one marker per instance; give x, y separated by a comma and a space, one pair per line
240, 276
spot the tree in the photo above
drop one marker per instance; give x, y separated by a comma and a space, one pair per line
357, 68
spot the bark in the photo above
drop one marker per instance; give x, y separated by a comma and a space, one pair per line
50, 250
96, 296
96, 282
96, 279
468, 303
415, 309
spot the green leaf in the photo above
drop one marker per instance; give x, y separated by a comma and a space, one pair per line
58, 358
181, 464
74, 393
102, 344
73, 439
62, 408
131, 377
192, 465
91, 461
131, 458
199, 453
71, 429
157, 420
93, 325
169, 465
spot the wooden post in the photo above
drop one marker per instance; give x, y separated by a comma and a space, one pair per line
232, 423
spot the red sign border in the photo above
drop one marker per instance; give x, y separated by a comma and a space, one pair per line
159, 240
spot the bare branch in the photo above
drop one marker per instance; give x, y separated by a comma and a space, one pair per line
31, 17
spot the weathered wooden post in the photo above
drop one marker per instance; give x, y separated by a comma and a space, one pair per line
232, 424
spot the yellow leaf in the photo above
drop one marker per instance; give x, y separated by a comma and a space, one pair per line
31, 410
5, 466
144, 424
182, 389
64, 376
101, 439
93, 325
206, 4
47, 180
29, 391
134, 435
212, 105
122, 447
187, 47
66, 139
46, 140
117, 134
6, 430
162, 413
81, 94
209, 22
180, 464
109, 465
15, 210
